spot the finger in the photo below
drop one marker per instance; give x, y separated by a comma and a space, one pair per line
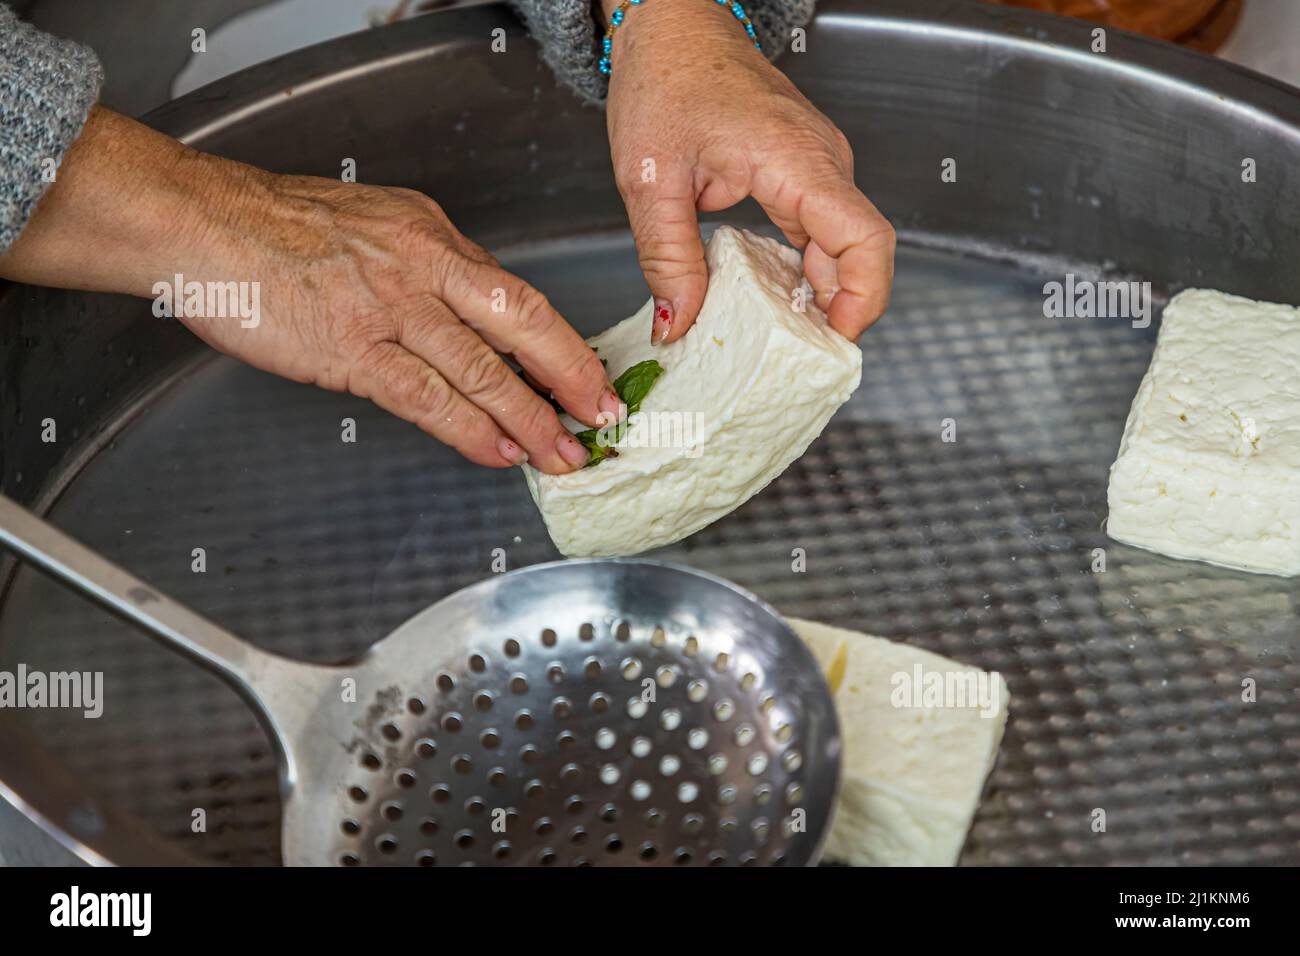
819, 268
785, 217
402, 383
667, 235
852, 232
513, 317
479, 374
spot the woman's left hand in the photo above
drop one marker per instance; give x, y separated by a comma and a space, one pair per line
699, 120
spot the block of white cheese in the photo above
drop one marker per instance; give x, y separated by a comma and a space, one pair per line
920, 733
1209, 465
743, 394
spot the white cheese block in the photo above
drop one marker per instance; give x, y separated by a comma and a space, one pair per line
743, 394
911, 775
1209, 465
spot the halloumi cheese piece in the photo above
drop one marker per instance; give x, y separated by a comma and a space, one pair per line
743, 394
1209, 465
911, 776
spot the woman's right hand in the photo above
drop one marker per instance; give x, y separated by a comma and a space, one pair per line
364, 289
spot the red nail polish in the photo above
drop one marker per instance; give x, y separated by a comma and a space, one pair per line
572, 451
511, 452
663, 321
610, 406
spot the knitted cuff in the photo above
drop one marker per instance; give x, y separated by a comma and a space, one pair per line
569, 36
47, 87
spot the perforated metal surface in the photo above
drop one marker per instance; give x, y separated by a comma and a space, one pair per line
1126, 685
639, 715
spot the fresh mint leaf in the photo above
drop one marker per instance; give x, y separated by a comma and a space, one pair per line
635, 384
632, 388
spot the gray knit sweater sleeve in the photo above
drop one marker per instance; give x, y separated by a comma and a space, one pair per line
47, 87
566, 31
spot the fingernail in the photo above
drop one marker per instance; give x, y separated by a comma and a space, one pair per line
511, 452
611, 406
663, 321
571, 450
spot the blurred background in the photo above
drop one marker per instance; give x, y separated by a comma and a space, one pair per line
146, 44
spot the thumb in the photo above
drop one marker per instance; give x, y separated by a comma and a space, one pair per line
667, 236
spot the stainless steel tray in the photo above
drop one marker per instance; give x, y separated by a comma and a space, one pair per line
1126, 685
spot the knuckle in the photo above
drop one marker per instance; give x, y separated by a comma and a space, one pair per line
539, 420
825, 173
423, 391
883, 238
359, 333
663, 256
843, 148
472, 251
481, 371
626, 182
630, 180
448, 268
667, 261
533, 313
421, 232
662, 221
666, 250
424, 203
587, 373
453, 350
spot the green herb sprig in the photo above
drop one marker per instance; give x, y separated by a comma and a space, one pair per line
632, 388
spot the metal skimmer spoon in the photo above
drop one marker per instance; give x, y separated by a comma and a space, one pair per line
582, 712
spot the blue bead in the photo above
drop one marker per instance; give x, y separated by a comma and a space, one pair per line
618, 16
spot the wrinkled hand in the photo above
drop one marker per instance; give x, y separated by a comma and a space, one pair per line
690, 93
363, 289
373, 291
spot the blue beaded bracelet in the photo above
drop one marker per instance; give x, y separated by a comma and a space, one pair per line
620, 14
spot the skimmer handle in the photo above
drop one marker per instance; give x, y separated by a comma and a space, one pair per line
48, 548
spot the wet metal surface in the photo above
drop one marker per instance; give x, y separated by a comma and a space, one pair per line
1126, 685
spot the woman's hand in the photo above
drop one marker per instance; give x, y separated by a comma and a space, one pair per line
362, 289
692, 100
